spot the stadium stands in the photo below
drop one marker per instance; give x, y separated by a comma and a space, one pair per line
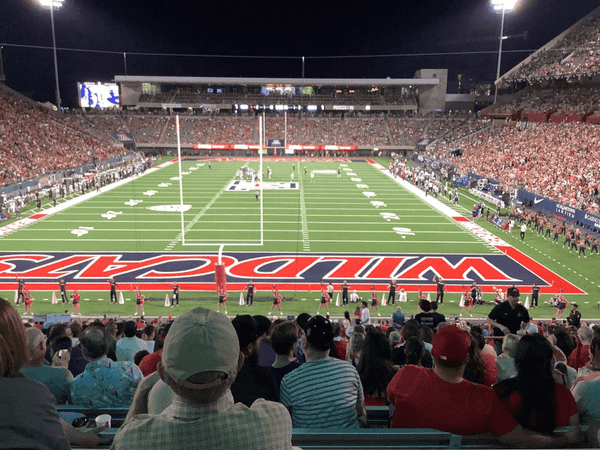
558, 161
573, 54
34, 142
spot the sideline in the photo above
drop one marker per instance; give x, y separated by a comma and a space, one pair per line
554, 280
75, 201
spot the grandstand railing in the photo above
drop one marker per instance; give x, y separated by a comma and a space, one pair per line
392, 438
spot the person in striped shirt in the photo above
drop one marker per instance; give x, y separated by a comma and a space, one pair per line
324, 392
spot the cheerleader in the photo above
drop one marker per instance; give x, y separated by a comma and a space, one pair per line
467, 302
276, 300
222, 300
76, 298
139, 301
27, 299
374, 301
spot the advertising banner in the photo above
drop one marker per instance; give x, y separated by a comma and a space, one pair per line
560, 211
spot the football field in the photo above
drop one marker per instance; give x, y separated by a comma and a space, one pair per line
310, 221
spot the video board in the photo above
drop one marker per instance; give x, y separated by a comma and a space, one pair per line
98, 95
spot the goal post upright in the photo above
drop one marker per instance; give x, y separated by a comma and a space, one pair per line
180, 179
261, 127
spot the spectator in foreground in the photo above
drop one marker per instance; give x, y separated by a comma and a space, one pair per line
77, 362
376, 368
283, 339
56, 377
28, 417
200, 361
266, 354
506, 361
324, 391
104, 383
150, 362
440, 398
128, 346
533, 397
252, 381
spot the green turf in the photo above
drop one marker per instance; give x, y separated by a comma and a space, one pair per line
333, 213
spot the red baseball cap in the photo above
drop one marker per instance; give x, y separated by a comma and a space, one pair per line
451, 344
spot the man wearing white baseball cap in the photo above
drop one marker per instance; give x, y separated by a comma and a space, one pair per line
200, 361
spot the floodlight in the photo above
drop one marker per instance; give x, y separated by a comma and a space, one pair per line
501, 6
506, 5
52, 3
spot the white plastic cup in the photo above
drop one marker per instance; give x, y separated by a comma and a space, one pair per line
103, 421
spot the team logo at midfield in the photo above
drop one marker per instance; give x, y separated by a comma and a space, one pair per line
170, 208
244, 185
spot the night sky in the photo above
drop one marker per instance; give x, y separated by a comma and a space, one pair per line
324, 32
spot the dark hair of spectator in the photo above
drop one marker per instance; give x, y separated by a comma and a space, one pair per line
474, 368
478, 337
137, 358
284, 338
13, 342
75, 329
149, 329
427, 334
347, 315
409, 330
375, 367
94, 343
61, 343
414, 350
130, 329
535, 383
264, 324
57, 330
564, 340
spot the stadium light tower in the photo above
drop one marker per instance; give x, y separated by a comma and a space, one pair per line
54, 4
501, 6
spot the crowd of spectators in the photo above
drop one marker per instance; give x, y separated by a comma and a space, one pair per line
575, 99
558, 161
325, 372
33, 142
576, 54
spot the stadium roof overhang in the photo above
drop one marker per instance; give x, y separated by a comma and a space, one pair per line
292, 81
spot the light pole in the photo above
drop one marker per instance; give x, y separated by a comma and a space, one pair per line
54, 4
502, 6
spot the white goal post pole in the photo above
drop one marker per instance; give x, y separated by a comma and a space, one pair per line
260, 146
261, 128
180, 178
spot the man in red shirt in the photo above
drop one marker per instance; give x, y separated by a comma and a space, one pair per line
441, 398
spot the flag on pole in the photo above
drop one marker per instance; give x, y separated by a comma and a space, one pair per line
54, 300
167, 301
527, 302
121, 299
337, 299
241, 299
16, 296
383, 300
428, 297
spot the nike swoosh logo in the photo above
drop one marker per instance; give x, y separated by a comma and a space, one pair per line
537, 200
